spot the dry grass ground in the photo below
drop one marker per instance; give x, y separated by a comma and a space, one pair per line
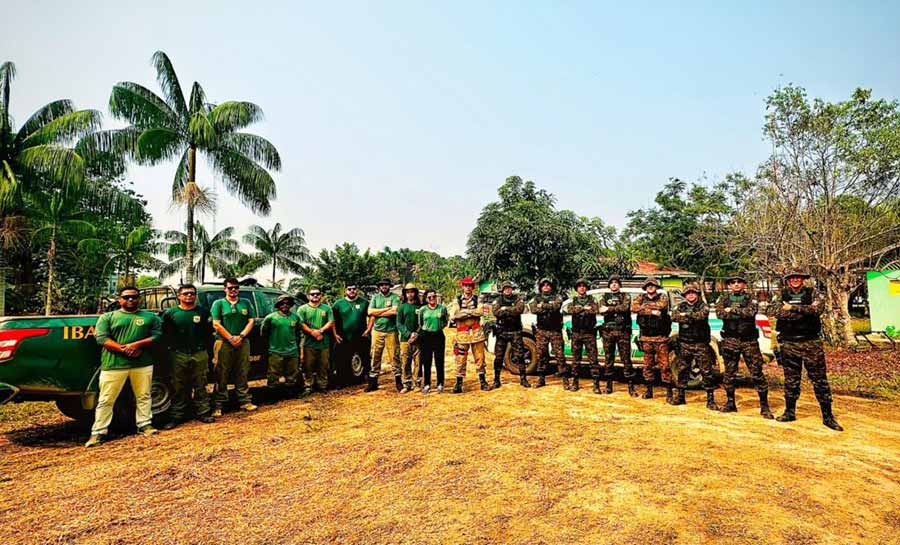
508, 466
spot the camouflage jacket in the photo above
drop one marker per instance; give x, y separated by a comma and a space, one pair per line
583, 304
686, 312
643, 305
542, 304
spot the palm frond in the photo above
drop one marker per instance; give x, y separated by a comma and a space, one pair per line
7, 74
256, 233
174, 266
198, 100
168, 82
64, 128
203, 199
234, 115
252, 185
141, 107
9, 186
256, 148
57, 164
157, 145
201, 132
44, 115
79, 228
181, 173
105, 152
106, 199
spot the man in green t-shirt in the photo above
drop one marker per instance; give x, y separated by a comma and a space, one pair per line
316, 319
352, 340
233, 321
408, 327
282, 328
187, 332
383, 326
125, 336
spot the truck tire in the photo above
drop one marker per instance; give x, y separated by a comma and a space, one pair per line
530, 354
71, 407
161, 396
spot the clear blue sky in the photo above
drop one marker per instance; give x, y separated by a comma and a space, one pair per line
397, 121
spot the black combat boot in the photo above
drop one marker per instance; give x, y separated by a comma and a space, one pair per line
496, 383
679, 397
764, 406
372, 385
711, 400
648, 392
790, 410
828, 418
457, 388
669, 399
729, 406
398, 382
609, 386
631, 389
566, 385
575, 386
483, 382
596, 386
542, 381
523, 380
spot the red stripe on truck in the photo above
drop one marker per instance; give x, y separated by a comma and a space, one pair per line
10, 339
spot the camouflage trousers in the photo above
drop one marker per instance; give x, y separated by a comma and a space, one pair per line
613, 341
703, 356
809, 354
461, 355
732, 349
656, 355
512, 339
580, 342
549, 339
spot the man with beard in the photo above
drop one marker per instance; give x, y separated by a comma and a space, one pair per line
350, 332
583, 309
383, 326
546, 306
692, 316
469, 334
615, 306
652, 308
508, 309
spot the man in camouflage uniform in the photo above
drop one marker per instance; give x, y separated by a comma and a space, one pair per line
469, 334
692, 316
615, 306
652, 308
508, 309
737, 309
546, 306
799, 336
584, 309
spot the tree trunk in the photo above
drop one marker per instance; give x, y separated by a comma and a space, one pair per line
51, 254
274, 261
188, 244
831, 316
2, 282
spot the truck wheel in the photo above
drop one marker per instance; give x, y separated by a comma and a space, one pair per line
530, 355
71, 407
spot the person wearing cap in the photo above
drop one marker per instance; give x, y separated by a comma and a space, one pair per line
351, 335
615, 306
583, 308
281, 328
408, 327
469, 334
383, 327
694, 336
508, 309
652, 309
799, 329
433, 318
737, 309
546, 306
316, 319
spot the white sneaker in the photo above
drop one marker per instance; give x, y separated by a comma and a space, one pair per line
426, 389
440, 388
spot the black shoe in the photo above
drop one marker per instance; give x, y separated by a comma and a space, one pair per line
729, 406
631, 390
398, 382
764, 406
457, 388
566, 385
596, 389
373, 384
541, 382
648, 392
482, 381
170, 425
207, 418
828, 417
679, 397
609, 386
496, 383
669, 398
575, 386
711, 400
790, 411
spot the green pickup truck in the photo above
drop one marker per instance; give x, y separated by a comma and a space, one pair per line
55, 358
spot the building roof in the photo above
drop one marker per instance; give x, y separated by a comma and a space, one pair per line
648, 268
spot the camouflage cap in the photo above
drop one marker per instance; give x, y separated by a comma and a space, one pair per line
691, 286
543, 281
582, 281
410, 286
795, 272
613, 278
736, 276
284, 298
651, 281
506, 284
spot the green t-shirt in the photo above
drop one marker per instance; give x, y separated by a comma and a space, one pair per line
350, 317
234, 317
433, 319
126, 327
314, 318
407, 320
186, 331
282, 331
385, 324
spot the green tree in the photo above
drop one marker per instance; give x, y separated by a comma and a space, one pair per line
332, 270
214, 251
286, 251
134, 250
147, 281
244, 265
170, 127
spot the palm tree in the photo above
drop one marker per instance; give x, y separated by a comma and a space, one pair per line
165, 128
52, 219
136, 249
245, 265
285, 251
215, 252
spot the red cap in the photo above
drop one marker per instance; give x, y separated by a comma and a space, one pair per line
466, 280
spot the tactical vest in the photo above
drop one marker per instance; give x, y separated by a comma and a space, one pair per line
584, 323
735, 326
692, 331
615, 321
473, 303
509, 323
655, 326
550, 321
807, 327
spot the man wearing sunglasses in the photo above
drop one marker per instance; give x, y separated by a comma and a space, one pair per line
233, 321
281, 328
186, 332
316, 318
350, 333
125, 336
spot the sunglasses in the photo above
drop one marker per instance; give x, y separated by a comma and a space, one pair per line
314, 294
131, 297
351, 288
229, 288
188, 294
432, 297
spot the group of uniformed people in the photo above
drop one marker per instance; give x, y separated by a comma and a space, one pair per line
411, 333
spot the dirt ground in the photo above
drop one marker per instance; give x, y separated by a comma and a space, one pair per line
508, 466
